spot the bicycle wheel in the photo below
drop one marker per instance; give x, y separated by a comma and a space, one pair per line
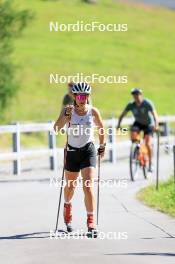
134, 162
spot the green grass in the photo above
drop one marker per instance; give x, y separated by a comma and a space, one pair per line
145, 53
162, 200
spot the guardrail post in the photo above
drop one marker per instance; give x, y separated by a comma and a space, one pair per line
174, 162
158, 153
16, 149
52, 146
165, 132
112, 141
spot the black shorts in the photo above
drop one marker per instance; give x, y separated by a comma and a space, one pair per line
80, 158
147, 129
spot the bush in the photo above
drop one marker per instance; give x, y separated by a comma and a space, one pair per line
12, 22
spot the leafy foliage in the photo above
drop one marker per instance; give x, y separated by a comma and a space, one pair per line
12, 22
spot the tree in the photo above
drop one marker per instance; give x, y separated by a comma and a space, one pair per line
12, 22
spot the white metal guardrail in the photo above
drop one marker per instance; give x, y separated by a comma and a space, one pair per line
52, 151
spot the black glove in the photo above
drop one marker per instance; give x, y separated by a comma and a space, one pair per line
68, 110
101, 149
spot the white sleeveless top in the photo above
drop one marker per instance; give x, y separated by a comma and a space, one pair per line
80, 131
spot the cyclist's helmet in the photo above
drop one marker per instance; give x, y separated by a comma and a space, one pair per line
136, 91
83, 88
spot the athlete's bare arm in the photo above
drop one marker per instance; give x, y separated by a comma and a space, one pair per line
63, 119
156, 119
99, 123
123, 114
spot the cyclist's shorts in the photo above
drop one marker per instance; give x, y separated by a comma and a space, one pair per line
147, 129
80, 158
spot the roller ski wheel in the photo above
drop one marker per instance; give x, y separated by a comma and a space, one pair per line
69, 228
92, 233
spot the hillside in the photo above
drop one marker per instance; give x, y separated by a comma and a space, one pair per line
145, 53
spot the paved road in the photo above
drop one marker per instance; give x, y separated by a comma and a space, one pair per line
28, 212
165, 3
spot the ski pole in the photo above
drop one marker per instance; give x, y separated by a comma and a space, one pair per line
61, 190
98, 189
62, 179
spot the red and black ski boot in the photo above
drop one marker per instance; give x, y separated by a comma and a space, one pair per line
68, 216
92, 231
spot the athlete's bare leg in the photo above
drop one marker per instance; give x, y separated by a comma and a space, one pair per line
71, 178
135, 136
88, 176
148, 143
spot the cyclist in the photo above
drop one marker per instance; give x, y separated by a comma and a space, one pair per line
81, 153
68, 99
146, 120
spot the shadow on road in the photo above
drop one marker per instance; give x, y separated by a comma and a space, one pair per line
166, 254
27, 236
35, 235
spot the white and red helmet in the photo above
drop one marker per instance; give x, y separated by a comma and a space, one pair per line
81, 88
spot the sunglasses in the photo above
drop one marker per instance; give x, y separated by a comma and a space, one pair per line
81, 97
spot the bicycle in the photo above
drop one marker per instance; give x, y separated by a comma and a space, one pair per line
138, 156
